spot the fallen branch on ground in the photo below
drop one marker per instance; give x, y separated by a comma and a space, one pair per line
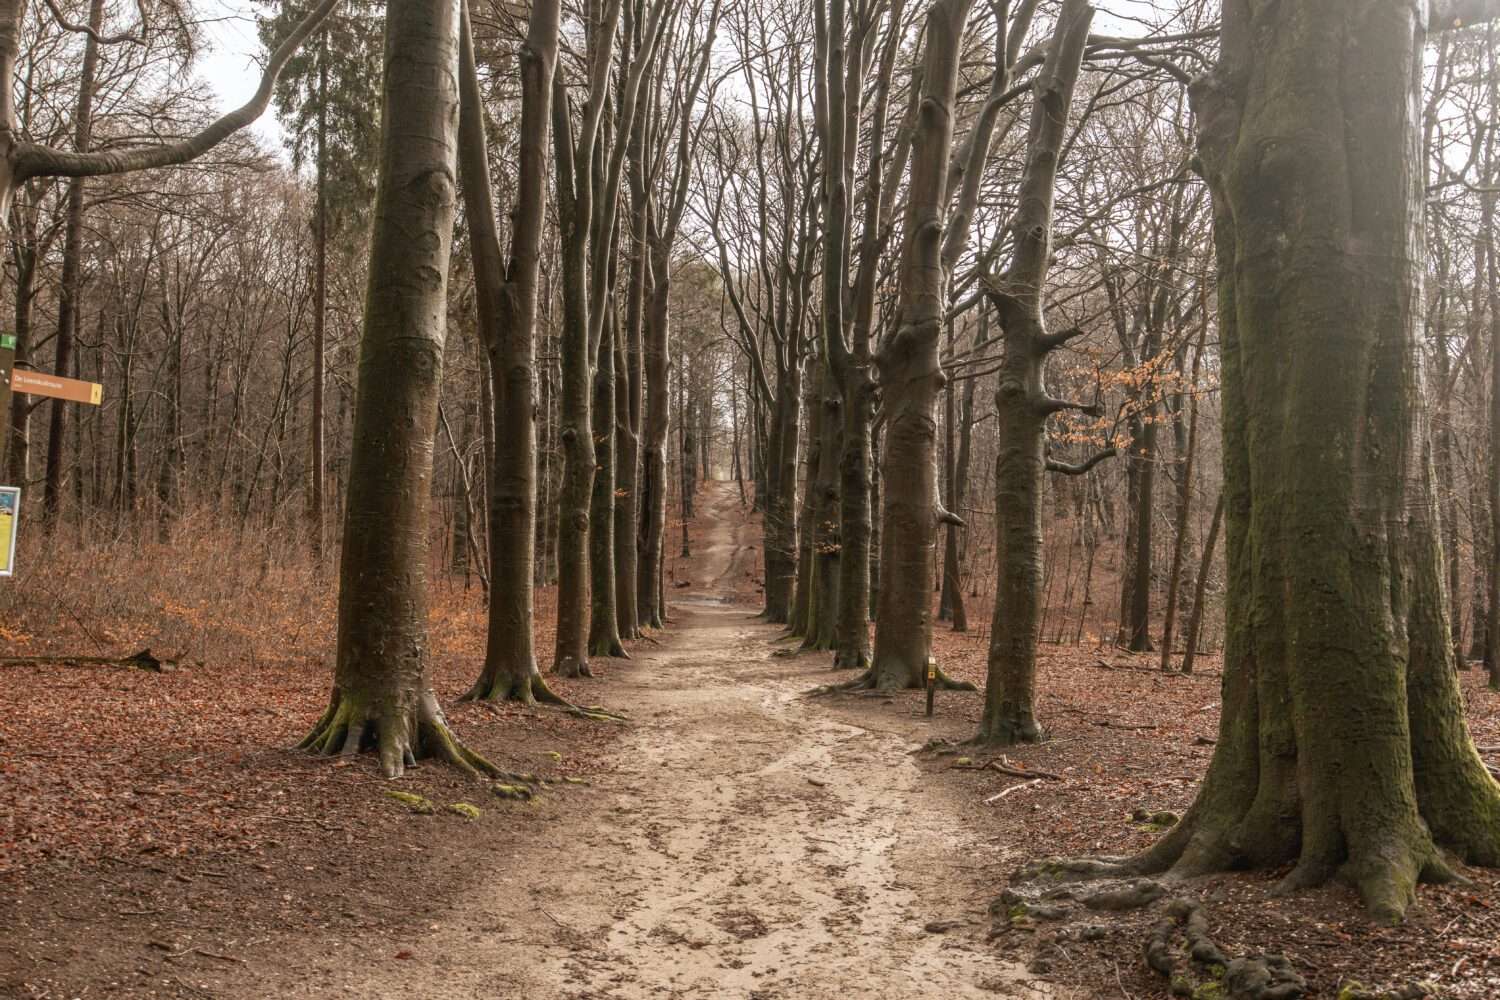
142, 660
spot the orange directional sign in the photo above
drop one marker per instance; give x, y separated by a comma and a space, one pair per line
71, 389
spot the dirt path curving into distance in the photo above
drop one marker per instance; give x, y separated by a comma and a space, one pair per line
749, 843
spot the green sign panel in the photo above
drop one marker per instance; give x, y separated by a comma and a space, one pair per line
7, 342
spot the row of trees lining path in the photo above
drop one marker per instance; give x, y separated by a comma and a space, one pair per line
1343, 749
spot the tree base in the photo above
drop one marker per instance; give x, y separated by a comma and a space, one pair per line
1007, 732
1384, 869
890, 682
857, 659
529, 689
399, 739
573, 667
611, 648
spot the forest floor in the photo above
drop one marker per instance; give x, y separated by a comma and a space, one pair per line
737, 839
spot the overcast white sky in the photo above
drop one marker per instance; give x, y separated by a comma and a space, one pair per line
230, 59
231, 54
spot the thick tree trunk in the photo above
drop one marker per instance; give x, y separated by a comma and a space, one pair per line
604, 631
780, 500
382, 695
630, 382
812, 420
823, 595
1342, 742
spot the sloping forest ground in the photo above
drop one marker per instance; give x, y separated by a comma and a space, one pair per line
157, 838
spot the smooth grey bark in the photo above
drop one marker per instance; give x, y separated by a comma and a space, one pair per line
382, 696
506, 301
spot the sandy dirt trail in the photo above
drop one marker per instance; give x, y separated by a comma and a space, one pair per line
747, 844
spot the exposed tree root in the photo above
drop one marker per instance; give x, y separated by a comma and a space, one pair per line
527, 687
872, 679
852, 659
399, 738
1208, 972
610, 648
596, 713
573, 667
1006, 733
540, 694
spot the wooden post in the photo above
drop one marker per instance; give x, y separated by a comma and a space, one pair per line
7, 365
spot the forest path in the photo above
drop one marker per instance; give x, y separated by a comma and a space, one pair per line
745, 844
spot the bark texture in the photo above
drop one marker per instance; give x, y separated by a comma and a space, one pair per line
1342, 744
382, 696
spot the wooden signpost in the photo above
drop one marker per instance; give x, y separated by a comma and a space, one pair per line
32, 383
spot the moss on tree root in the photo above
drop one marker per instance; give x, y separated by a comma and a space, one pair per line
527, 687
398, 736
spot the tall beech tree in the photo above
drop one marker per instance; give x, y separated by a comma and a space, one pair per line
911, 376
1342, 745
506, 300
1022, 402
573, 156
382, 696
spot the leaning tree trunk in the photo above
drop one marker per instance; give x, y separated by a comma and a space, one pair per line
911, 376
382, 695
1205, 564
1342, 745
507, 304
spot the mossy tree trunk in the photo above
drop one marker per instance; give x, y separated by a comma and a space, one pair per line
1342, 746
382, 696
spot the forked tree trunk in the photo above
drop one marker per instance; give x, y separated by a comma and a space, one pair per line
382, 695
911, 377
507, 305
1342, 744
